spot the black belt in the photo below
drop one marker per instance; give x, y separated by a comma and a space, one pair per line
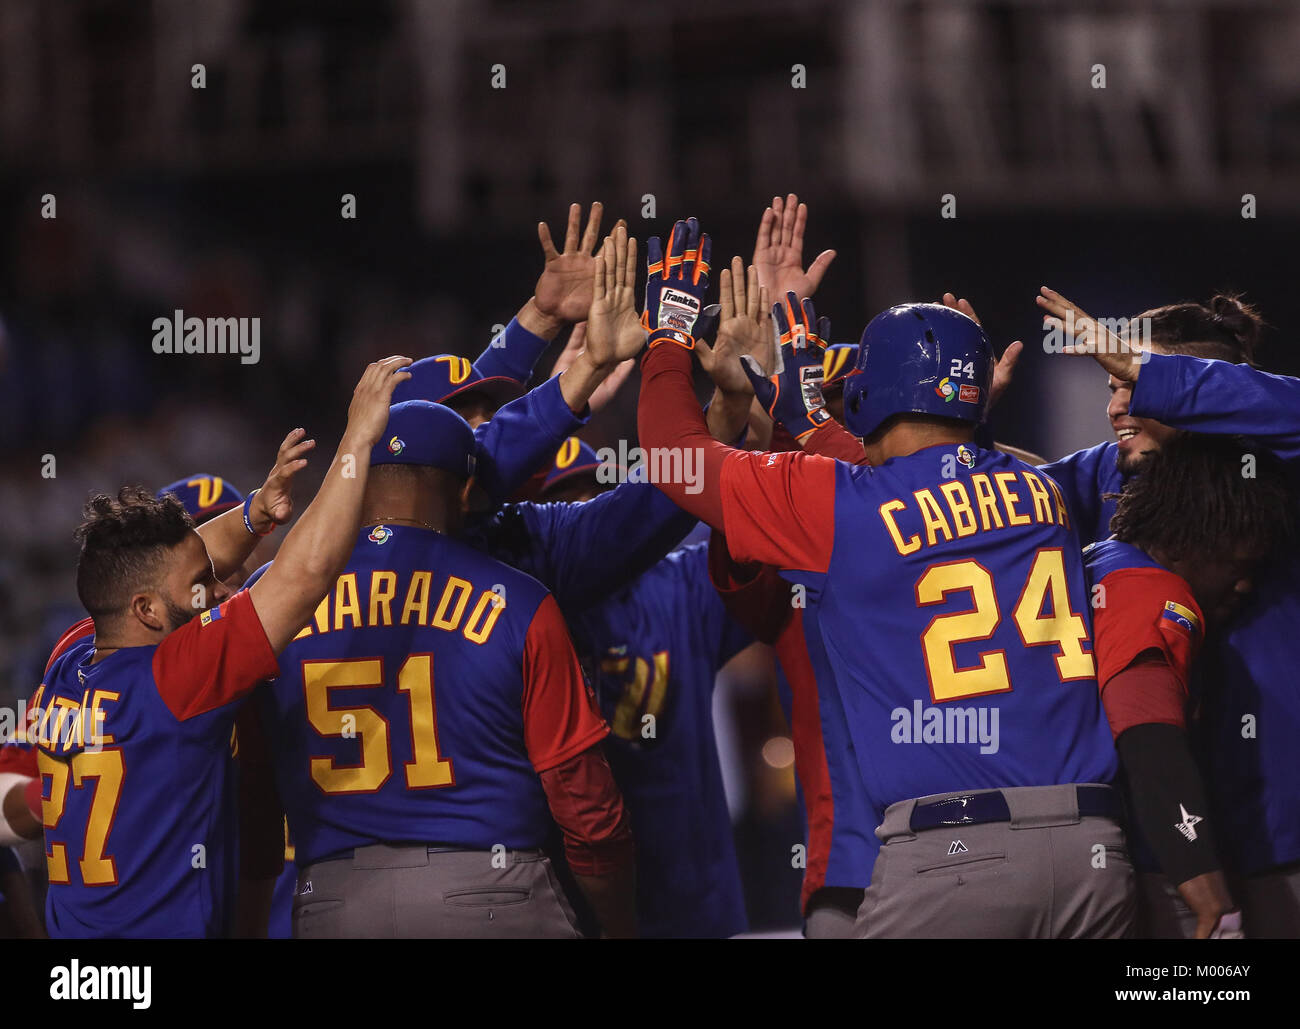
432, 848
976, 808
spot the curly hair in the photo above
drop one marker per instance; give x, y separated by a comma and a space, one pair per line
124, 541
1225, 329
1196, 496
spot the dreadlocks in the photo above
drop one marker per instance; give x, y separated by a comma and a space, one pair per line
1195, 495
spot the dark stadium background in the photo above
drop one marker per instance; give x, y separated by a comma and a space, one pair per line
226, 201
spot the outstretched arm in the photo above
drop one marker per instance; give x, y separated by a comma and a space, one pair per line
228, 538
317, 548
1220, 397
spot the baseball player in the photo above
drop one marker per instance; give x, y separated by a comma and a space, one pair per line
983, 566
1191, 380
133, 725
1188, 533
432, 719
262, 883
653, 650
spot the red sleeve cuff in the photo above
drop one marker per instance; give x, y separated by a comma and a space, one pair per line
1145, 692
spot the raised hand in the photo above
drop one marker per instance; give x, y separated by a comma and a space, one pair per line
676, 282
792, 394
368, 412
1005, 369
274, 498
611, 385
778, 250
1085, 335
614, 332
744, 328
563, 292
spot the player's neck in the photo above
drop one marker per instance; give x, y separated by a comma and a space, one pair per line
907, 436
123, 634
427, 509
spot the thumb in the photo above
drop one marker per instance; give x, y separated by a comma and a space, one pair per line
763, 387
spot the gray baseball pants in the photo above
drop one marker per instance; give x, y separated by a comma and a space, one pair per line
1045, 873
388, 891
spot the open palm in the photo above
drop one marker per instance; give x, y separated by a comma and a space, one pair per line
614, 330
778, 251
564, 289
745, 327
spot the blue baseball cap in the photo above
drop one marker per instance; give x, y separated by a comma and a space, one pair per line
443, 377
204, 496
423, 433
573, 458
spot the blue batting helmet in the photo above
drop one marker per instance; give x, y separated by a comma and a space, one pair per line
918, 359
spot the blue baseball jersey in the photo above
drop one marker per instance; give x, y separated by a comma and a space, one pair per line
654, 650
138, 780
1251, 708
423, 699
1085, 478
513, 354
522, 435
582, 552
953, 610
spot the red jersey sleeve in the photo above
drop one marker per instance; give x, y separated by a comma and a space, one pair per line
831, 439
19, 760
214, 659
753, 594
1146, 609
779, 508
560, 714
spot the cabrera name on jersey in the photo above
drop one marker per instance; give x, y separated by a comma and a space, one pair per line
952, 608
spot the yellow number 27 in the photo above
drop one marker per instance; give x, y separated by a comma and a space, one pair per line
105, 768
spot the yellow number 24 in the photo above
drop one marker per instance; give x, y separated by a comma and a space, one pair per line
1046, 582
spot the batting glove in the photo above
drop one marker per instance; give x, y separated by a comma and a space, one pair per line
792, 394
676, 284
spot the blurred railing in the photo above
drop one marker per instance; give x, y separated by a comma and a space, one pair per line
1000, 103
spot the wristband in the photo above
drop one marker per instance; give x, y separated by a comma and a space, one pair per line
248, 524
682, 339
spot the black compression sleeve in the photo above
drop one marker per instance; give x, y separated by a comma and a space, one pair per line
1168, 800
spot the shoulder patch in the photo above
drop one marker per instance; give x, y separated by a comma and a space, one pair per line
1182, 617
